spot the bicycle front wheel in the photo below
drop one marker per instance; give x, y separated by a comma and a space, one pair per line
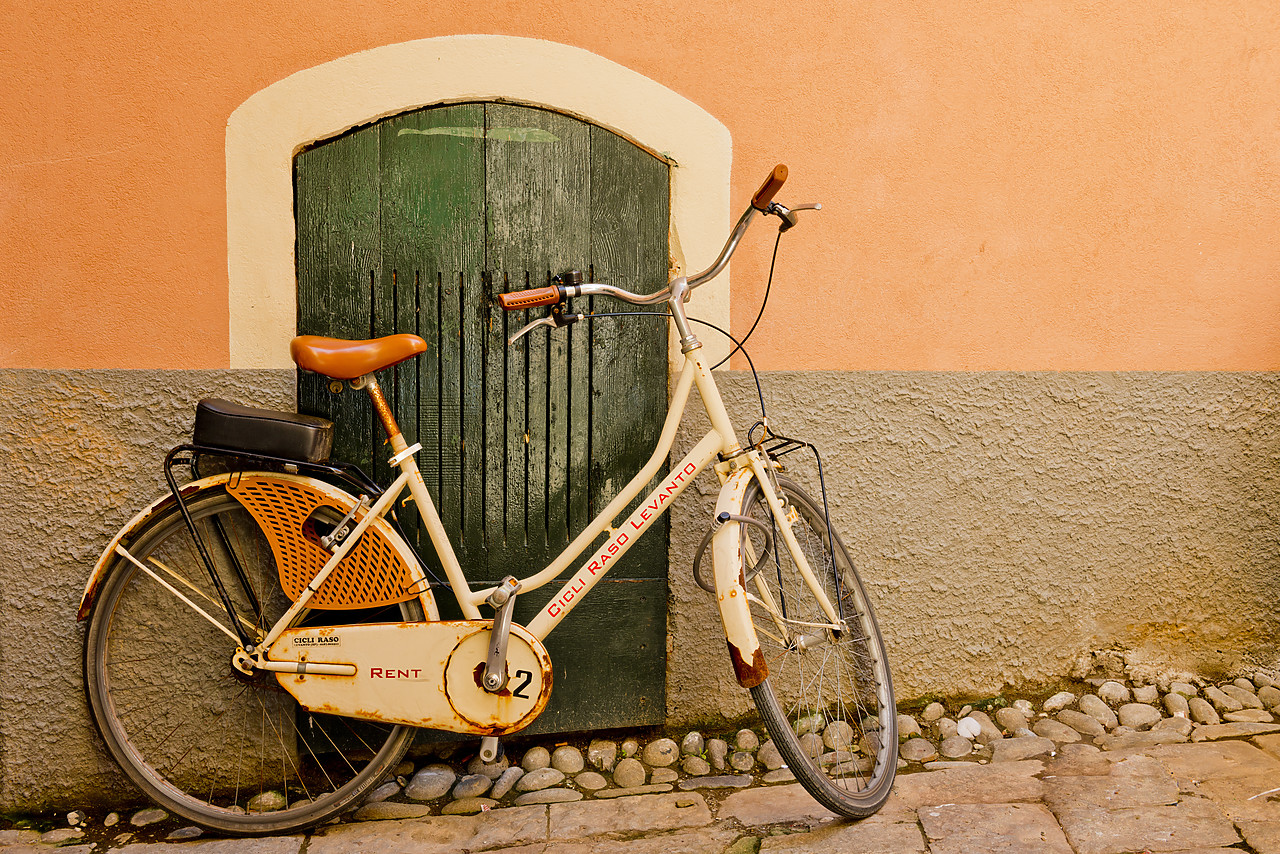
828, 701
231, 752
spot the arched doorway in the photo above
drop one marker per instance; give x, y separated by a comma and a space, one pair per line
266, 132
269, 128
414, 224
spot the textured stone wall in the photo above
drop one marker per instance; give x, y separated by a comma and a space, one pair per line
80, 454
1007, 524
1010, 523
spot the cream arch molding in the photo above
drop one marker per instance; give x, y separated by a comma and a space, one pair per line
267, 130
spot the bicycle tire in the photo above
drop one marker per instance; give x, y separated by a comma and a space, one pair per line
232, 753
828, 700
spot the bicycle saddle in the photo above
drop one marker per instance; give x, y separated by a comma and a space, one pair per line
345, 360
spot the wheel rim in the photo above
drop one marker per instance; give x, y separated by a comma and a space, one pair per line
223, 749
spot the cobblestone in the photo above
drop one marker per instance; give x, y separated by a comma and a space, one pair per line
1007, 828
1158, 771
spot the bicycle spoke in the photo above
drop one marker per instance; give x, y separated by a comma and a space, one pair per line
120, 550
200, 593
201, 738
240, 755
284, 750
354, 732
160, 710
316, 759
822, 675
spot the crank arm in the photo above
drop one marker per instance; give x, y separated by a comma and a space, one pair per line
495, 668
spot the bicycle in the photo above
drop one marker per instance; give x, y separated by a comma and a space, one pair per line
262, 642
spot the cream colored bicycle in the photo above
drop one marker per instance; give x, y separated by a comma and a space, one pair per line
262, 642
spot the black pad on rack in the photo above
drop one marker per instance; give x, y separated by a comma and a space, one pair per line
230, 426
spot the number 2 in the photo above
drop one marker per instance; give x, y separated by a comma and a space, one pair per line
528, 678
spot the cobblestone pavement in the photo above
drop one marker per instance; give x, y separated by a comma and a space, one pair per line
1191, 798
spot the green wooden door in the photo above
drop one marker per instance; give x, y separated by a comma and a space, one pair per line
414, 224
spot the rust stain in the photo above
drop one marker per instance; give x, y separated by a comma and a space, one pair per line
492, 714
87, 605
361, 714
383, 409
752, 674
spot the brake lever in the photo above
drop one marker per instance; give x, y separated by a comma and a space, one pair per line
529, 327
788, 215
556, 319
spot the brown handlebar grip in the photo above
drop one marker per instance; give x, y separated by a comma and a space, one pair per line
771, 186
528, 299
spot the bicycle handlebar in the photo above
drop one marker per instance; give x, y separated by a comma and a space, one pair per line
517, 300
770, 187
761, 203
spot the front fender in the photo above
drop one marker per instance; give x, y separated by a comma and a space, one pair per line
731, 595
129, 530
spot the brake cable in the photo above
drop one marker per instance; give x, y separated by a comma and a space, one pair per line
763, 302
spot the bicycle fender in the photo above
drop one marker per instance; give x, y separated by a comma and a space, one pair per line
160, 505
731, 595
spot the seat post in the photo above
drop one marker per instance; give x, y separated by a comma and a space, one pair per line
370, 384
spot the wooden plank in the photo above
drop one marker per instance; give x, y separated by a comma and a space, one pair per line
517, 410
537, 372
395, 300
336, 200
539, 195
473, 302
431, 173
515, 432
537, 214
415, 380
578, 432
450, 384
494, 437
559, 435
629, 216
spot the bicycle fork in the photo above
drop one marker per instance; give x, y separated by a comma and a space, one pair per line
730, 558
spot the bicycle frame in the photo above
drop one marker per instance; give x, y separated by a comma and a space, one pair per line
720, 442
736, 468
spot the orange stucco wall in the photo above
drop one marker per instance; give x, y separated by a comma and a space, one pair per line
1010, 185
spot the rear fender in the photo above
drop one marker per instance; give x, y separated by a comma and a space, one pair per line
130, 530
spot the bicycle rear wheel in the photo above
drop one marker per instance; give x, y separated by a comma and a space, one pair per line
828, 701
231, 752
